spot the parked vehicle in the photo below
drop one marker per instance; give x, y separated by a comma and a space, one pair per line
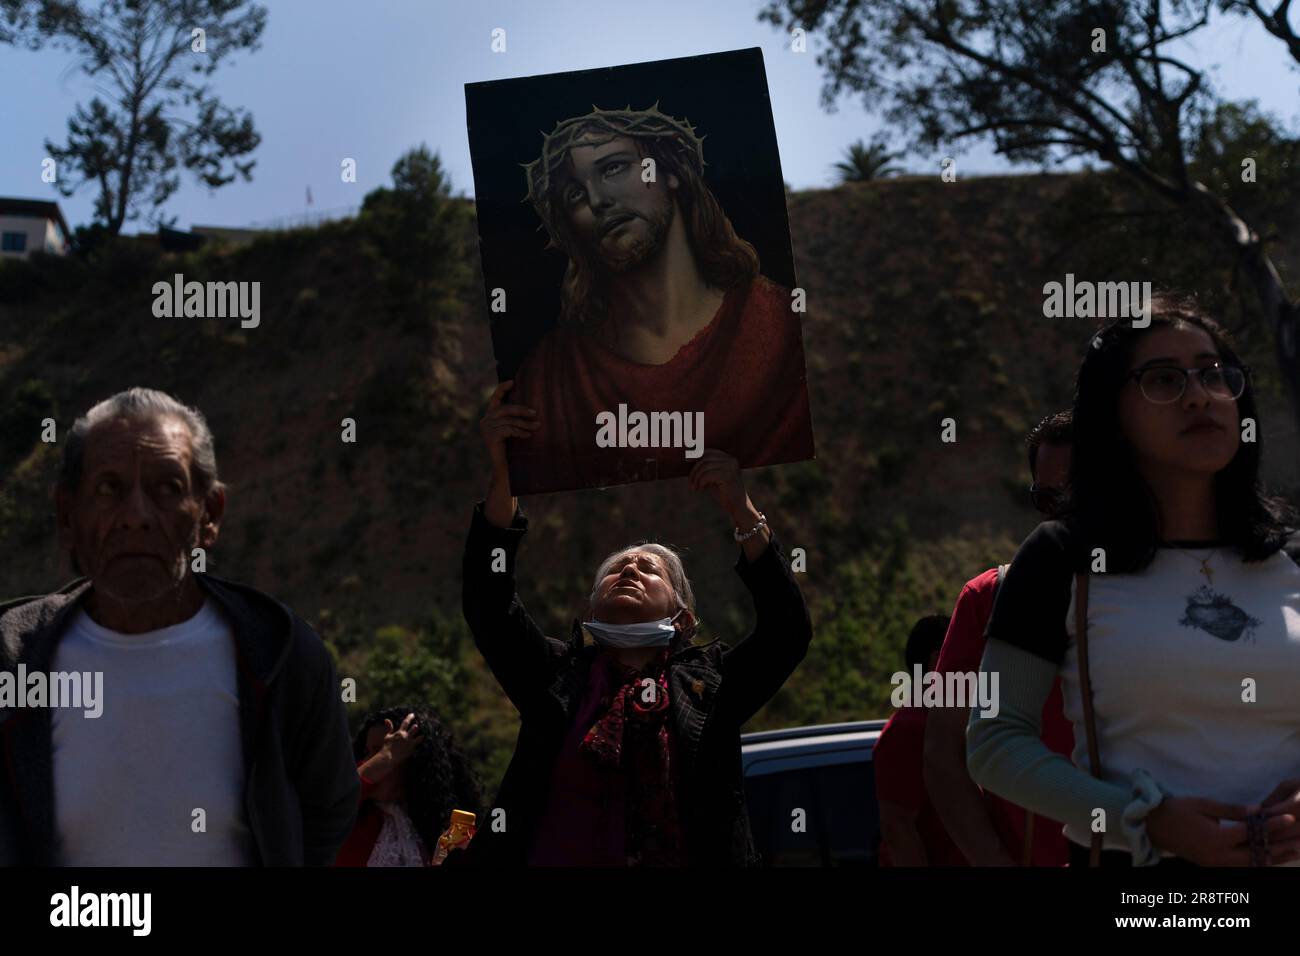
825, 771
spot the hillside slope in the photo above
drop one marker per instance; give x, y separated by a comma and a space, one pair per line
924, 301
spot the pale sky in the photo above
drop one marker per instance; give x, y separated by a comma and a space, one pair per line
337, 78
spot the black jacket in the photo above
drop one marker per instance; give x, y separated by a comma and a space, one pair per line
301, 782
713, 690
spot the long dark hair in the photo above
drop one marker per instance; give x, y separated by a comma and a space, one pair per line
1110, 505
438, 776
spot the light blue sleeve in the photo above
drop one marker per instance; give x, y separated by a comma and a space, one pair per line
1005, 754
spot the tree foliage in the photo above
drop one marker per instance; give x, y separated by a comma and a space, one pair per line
160, 114
419, 228
1054, 80
864, 162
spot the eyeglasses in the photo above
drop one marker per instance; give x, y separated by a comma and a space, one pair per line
1163, 384
1046, 501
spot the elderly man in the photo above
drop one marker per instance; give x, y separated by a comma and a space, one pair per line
222, 739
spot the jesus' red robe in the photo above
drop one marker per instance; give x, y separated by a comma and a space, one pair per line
744, 371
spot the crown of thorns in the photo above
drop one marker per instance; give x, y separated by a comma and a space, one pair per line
679, 135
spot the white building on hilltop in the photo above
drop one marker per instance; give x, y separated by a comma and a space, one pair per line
31, 225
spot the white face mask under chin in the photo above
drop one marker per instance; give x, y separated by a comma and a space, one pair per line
641, 634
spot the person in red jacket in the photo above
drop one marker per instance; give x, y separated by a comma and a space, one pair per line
412, 777
992, 831
912, 833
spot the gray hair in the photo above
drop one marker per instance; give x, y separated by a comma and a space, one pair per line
137, 404
681, 584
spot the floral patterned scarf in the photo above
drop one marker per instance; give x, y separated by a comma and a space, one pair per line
632, 738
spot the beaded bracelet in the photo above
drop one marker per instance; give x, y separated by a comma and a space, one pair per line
745, 536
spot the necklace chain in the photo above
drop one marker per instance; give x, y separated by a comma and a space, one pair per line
1204, 562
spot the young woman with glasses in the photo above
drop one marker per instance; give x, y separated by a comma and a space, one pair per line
1193, 617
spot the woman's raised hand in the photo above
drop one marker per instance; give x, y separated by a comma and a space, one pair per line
401, 743
502, 421
719, 474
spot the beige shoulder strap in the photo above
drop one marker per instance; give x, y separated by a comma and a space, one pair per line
1027, 846
1085, 685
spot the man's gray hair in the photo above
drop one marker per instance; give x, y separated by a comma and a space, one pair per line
137, 404
681, 584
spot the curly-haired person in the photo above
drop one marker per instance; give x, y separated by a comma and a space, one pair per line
412, 776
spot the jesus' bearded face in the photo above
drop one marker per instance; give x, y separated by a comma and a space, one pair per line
619, 219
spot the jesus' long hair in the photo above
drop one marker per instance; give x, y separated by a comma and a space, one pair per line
725, 260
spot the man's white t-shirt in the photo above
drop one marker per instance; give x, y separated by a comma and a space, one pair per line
128, 783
